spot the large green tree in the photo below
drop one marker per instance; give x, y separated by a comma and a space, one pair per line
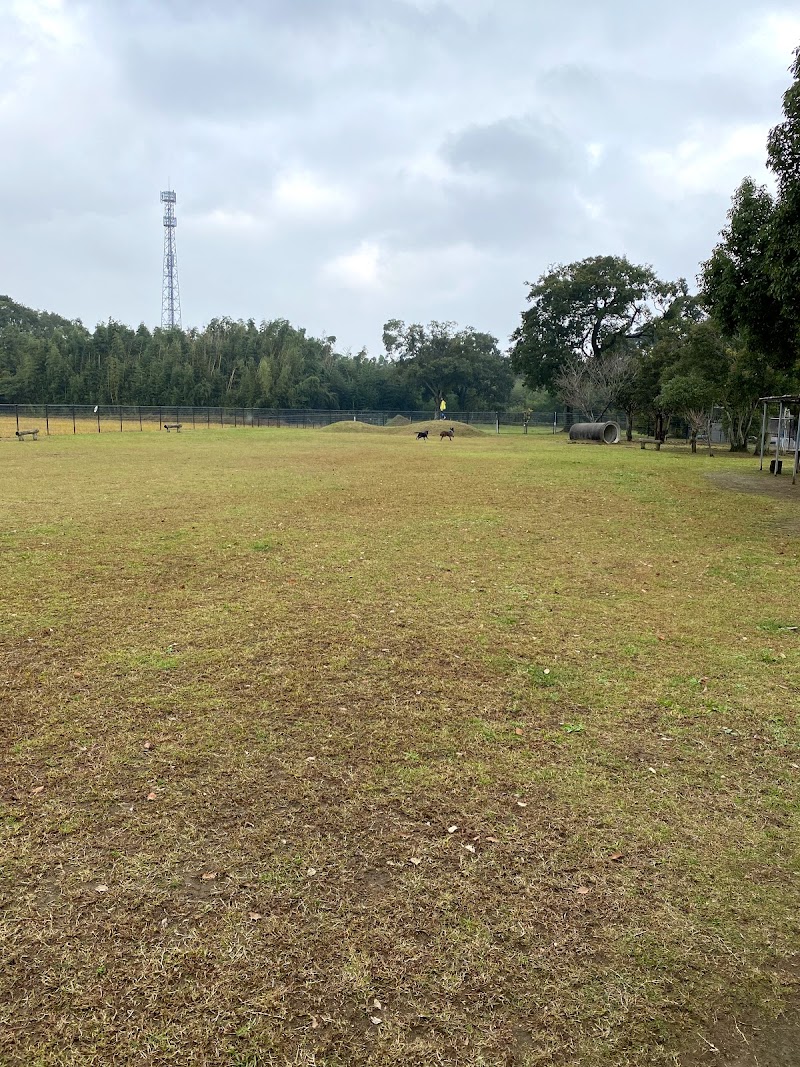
783, 159
589, 310
738, 278
441, 360
751, 282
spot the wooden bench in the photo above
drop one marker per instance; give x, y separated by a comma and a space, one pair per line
176, 426
22, 434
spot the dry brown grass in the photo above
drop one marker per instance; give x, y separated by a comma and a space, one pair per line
499, 736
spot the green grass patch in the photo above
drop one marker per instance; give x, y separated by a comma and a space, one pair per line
344, 748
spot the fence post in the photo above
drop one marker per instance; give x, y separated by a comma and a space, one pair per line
497, 413
46, 421
97, 412
120, 418
16, 412
73, 419
140, 418
192, 416
159, 418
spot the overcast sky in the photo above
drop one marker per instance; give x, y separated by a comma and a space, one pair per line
342, 162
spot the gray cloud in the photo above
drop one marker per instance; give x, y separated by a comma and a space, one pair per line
341, 163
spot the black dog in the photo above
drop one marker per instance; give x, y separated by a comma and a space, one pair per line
422, 435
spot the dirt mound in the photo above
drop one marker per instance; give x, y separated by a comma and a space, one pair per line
351, 426
435, 427
399, 420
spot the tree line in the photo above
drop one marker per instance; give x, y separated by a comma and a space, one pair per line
47, 359
597, 334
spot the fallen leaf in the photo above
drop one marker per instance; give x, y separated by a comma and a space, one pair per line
451, 829
469, 848
615, 857
415, 861
494, 840
151, 796
312, 871
35, 792
377, 1004
518, 732
255, 916
101, 889
521, 804
209, 877
582, 890
148, 744
375, 1019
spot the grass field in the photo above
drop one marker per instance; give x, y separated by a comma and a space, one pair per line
335, 748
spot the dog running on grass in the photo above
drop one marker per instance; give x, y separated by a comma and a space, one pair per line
422, 435
449, 434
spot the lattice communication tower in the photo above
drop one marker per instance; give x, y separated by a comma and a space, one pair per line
170, 293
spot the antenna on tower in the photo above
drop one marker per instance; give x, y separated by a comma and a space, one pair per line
170, 293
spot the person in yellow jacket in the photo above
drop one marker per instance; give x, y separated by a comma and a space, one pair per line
442, 408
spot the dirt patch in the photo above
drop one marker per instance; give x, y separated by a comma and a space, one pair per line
761, 483
735, 1044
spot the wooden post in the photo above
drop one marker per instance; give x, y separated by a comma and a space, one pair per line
778, 438
763, 434
46, 421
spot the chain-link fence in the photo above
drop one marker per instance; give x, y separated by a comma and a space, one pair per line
24, 421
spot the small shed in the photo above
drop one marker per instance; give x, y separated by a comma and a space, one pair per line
779, 432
